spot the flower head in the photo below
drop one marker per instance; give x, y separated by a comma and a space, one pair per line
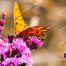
15, 53
35, 40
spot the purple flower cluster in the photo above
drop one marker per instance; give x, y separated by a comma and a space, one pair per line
15, 53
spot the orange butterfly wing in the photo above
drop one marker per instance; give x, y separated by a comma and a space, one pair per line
39, 31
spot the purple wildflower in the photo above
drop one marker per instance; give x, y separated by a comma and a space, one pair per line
35, 40
15, 53
4, 47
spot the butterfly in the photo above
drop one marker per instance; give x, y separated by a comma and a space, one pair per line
22, 28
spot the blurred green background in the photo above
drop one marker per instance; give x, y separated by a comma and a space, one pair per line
42, 12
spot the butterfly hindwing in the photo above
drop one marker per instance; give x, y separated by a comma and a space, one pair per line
38, 31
